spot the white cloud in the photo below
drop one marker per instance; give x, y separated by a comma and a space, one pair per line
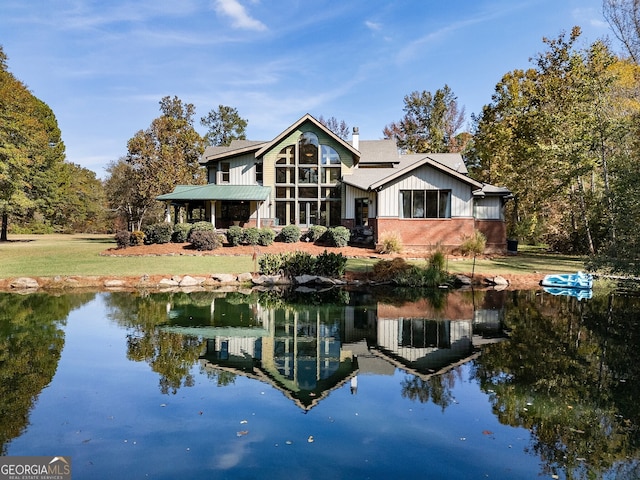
238, 14
373, 25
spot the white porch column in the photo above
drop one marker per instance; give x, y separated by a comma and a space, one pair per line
167, 212
212, 208
258, 206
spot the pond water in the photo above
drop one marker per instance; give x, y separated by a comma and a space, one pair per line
336, 384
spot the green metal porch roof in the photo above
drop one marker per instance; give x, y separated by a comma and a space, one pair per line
216, 192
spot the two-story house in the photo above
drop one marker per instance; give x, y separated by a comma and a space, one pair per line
307, 176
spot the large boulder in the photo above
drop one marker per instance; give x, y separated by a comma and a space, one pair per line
24, 282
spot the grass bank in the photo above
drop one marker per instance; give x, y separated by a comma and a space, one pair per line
79, 255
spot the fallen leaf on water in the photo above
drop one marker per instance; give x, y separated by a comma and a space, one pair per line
241, 433
244, 421
310, 439
487, 432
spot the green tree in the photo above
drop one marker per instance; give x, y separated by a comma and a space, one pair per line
81, 201
30, 151
224, 125
549, 134
123, 197
431, 123
165, 155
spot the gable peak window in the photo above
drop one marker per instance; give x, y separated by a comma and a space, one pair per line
307, 183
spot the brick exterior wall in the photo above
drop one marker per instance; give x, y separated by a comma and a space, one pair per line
496, 233
423, 235
426, 234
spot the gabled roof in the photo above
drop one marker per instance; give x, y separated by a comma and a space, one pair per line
216, 192
378, 151
376, 178
237, 147
307, 118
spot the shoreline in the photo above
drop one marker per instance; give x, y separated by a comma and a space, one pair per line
71, 283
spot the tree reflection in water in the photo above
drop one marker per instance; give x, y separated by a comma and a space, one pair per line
568, 373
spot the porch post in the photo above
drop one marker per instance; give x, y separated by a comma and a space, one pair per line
258, 205
167, 212
212, 208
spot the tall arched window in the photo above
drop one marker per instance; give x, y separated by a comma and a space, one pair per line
307, 179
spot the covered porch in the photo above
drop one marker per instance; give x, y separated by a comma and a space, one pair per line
222, 205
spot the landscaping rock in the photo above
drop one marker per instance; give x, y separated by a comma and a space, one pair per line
463, 280
168, 282
114, 283
245, 277
497, 280
24, 282
224, 277
188, 281
304, 279
268, 280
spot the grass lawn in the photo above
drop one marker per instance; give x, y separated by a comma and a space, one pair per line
68, 255
51, 255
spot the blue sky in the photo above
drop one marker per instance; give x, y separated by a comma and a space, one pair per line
103, 65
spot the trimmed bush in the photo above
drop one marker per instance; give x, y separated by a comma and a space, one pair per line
251, 236
390, 243
180, 232
158, 233
137, 238
266, 236
338, 236
289, 234
200, 227
234, 235
316, 232
204, 240
123, 238
331, 264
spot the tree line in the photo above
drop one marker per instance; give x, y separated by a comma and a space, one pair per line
562, 135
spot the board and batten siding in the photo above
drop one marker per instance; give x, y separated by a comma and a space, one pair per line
349, 206
426, 178
489, 208
241, 170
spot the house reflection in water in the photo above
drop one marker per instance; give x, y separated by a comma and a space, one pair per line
308, 351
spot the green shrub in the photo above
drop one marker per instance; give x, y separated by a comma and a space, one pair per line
316, 232
158, 233
338, 236
200, 227
266, 236
123, 238
137, 238
389, 243
330, 264
251, 236
204, 240
437, 260
272, 263
180, 232
234, 235
300, 263
289, 234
